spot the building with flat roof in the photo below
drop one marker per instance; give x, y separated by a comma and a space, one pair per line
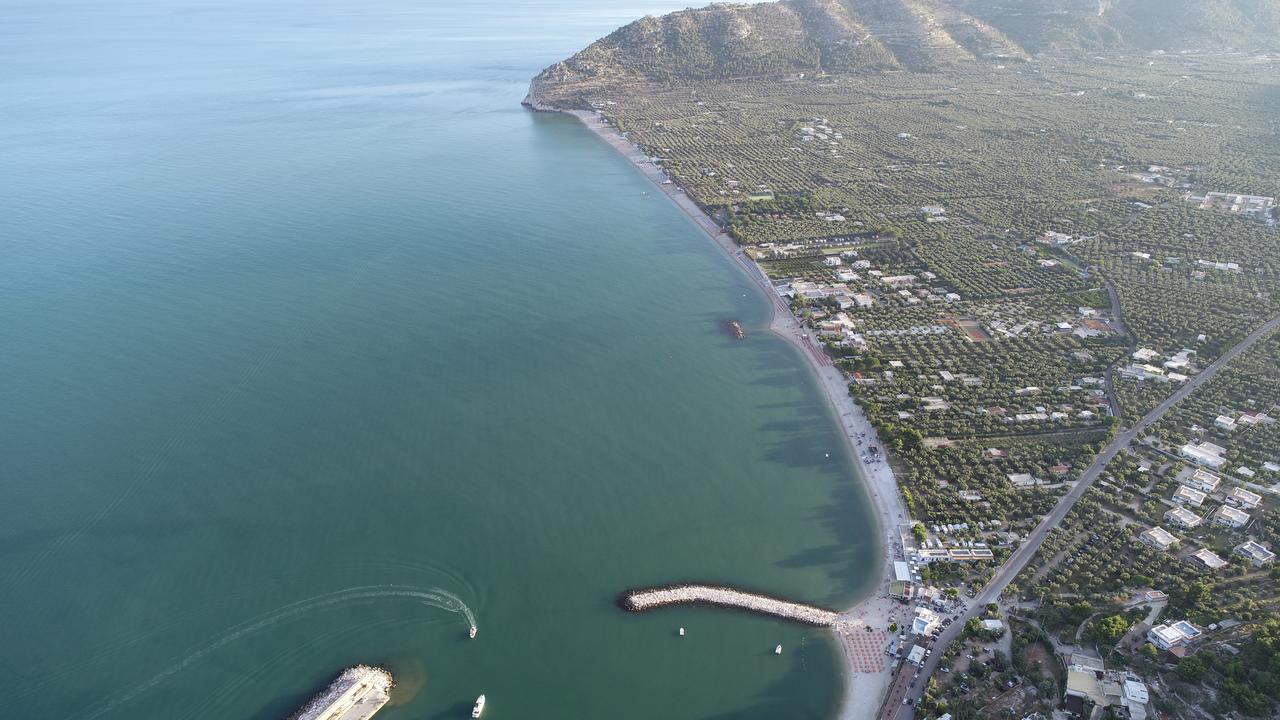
1199, 478
1022, 479
1183, 517
1085, 683
916, 656
1255, 552
1206, 454
926, 622
1105, 689
1187, 495
1158, 538
1135, 698
1228, 516
1244, 498
1172, 635
1087, 661
973, 553
901, 571
1208, 558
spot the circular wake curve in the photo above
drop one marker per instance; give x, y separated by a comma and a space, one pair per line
433, 597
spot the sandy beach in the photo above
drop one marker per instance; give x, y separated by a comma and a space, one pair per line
863, 630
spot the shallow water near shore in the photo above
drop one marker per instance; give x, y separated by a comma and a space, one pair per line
310, 328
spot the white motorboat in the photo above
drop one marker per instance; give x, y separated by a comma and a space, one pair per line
472, 632
681, 632
777, 650
479, 707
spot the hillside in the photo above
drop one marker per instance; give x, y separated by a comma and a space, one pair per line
788, 37
1045, 25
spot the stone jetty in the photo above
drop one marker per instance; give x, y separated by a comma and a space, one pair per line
357, 694
650, 598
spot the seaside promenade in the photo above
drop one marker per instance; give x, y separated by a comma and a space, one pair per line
867, 674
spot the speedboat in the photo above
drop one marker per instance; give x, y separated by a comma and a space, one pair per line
777, 650
471, 633
681, 632
479, 707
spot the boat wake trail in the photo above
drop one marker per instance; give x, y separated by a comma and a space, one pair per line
432, 597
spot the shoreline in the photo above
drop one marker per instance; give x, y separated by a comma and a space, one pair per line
875, 610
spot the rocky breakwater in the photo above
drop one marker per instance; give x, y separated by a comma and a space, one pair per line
651, 598
356, 694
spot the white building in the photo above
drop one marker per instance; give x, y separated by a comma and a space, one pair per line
1209, 559
1255, 552
926, 622
1145, 354
1206, 454
1158, 538
916, 656
1199, 479
1183, 518
1231, 517
1244, 498
1022, 479
1187, 495
1136, 698
1180, 360
1138, 371
1172, 635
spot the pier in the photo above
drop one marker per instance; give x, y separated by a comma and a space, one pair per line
357, 694
651, 598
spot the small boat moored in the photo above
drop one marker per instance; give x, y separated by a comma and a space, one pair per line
777, 650
479, 707
681, 632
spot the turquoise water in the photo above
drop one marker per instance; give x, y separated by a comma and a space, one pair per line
306, 323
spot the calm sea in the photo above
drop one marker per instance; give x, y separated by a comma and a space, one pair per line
308, 333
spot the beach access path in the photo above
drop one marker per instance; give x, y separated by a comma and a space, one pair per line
867, 677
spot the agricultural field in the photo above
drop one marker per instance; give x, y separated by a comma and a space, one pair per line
1012, 258
1090, 586
1238, 411
984, 251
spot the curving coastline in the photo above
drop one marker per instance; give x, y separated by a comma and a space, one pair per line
875, 609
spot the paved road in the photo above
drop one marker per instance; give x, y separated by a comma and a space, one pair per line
1007, 572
